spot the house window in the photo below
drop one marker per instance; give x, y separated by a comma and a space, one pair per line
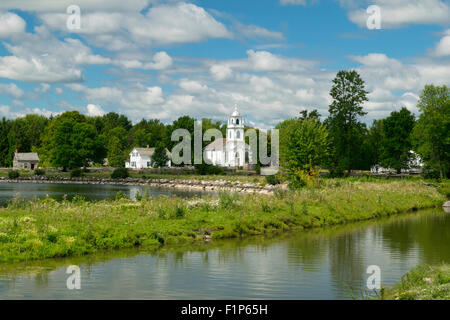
149, 164
133, 164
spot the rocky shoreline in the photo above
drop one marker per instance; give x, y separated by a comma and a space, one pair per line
195, 185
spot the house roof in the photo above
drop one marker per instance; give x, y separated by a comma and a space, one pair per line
218, 144
31, 156
149, 151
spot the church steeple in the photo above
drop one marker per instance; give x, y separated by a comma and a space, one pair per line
235, 128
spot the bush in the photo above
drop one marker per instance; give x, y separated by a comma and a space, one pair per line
273, 180
13, 174
120, 173
207, 169
39, 172
76, 173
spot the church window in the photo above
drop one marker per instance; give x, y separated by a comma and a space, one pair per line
238, 136
237, 121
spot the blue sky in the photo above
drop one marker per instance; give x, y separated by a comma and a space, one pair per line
165, 59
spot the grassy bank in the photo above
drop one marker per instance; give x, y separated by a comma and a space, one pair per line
46, 228
423, 283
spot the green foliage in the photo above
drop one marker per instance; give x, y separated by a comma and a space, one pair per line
208, 169
304, 146
159, 158
13, 174
273, 180
345, 130
76, 173
39, 172
120, 173
396, 140
431, 134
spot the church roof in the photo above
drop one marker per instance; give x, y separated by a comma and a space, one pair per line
236, 112
218, 144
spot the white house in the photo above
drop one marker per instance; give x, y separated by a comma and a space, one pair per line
231, 151
141, 158
415, 165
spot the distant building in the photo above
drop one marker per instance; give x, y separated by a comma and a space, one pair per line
415, 165
27, 161
231, 151
141, 158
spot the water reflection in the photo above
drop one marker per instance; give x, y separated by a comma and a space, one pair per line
58, 191
317, 264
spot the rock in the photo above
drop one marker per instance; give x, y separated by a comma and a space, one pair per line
447, 204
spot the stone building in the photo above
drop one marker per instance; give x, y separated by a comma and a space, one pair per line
27, 161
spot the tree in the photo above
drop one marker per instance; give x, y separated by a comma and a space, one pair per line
345, 129
71, 142
117, 147
5, 159
159, 158
431, 134
397, 144
303, 145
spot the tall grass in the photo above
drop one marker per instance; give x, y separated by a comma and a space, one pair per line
47, 228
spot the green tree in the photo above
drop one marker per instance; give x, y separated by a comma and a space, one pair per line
304, 145
397, 144
117, 147
431, 134
345, 129
159, 157
5, 159
71, 142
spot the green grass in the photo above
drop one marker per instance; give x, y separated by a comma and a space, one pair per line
423, 283
47, 228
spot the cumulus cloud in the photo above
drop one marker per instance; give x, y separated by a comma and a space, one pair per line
400, 13
94, 110
11, 25
11, 90
443, 47
293, 2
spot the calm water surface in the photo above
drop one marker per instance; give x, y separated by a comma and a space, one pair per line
29, 191
319, 264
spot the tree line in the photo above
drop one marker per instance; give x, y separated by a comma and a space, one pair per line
343, 142
340, 143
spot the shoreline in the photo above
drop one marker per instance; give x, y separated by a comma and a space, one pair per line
48, 229
194, 185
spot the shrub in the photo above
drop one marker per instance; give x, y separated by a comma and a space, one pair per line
76, 173
120, 173
273, 180
13, 174
227, 200
39, 172
207, 169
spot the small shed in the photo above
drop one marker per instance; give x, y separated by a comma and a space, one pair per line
27, 161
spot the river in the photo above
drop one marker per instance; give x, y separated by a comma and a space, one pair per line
328, 263
59, 191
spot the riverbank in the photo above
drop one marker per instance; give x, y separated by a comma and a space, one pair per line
422, 283
47, 228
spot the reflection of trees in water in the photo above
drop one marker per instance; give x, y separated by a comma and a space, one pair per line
347, 258
41, 280
429, 232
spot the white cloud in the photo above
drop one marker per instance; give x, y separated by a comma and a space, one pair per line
94, 110
192, 86
221, 72
11, 90
11, 25
443, 47
293, 2
400, 13
13, 113
257, 32
86, 5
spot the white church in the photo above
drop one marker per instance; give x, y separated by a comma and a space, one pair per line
231, 151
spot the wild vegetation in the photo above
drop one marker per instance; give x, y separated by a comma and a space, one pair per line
47, 228
422, 283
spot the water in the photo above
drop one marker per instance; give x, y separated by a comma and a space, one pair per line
319, 264
58, 191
